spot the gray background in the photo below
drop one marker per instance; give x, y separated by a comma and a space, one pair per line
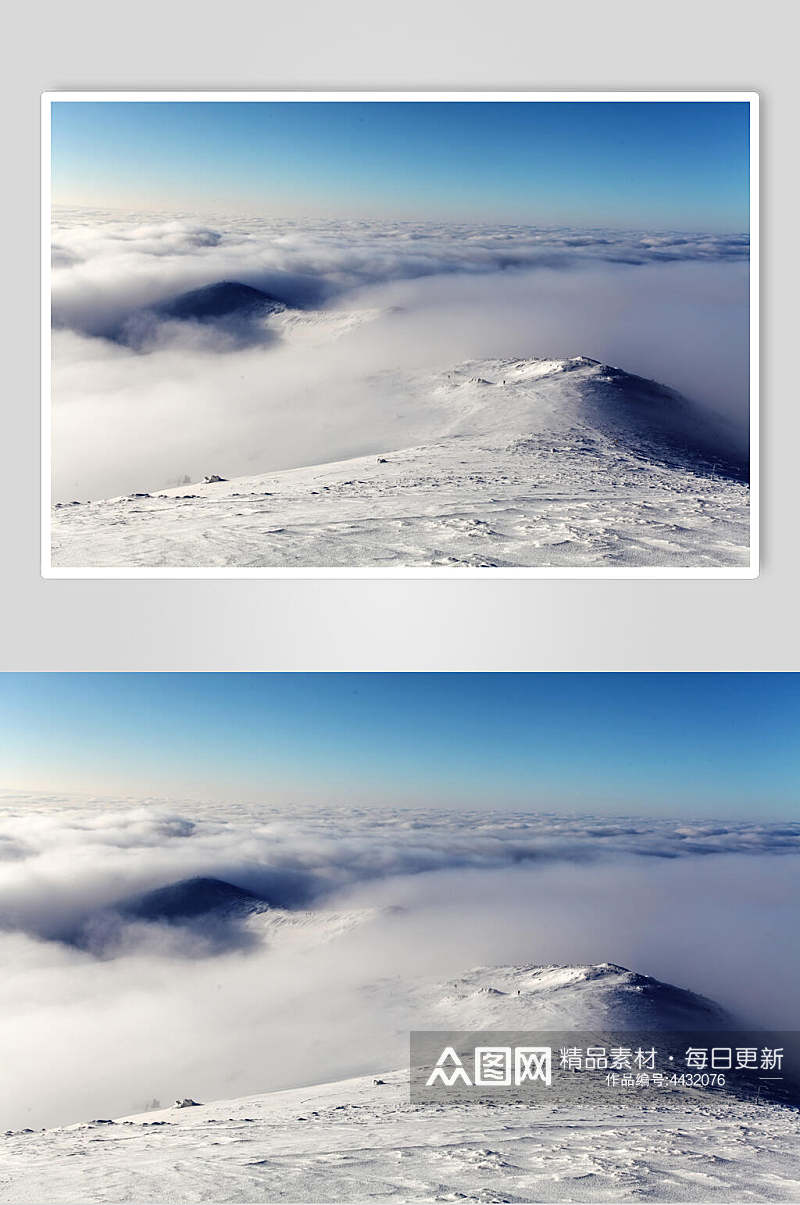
400, 624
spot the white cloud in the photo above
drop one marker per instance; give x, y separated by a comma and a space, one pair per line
396, 296
61, 863
168, 1014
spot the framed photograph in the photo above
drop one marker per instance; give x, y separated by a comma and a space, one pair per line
464, 335
570, 898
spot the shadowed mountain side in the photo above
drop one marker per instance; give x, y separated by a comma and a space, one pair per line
219, 300
191, 898
195, 917
227, 313
664, 424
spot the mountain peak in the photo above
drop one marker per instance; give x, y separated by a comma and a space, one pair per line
219, 300
190, 898
569, 996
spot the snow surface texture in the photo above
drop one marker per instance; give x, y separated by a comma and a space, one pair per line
357, 1141
362, 1139
522, 463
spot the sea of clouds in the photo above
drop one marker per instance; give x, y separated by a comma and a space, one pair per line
189, 399
166, 1012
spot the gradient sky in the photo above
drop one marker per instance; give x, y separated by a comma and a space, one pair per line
657, 165
675, 744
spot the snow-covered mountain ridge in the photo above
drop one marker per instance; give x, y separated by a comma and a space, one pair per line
528, 462
564, 997
363, 1138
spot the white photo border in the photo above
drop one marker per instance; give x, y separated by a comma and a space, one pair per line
49, 571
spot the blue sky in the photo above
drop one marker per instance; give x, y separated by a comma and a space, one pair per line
656, 165
672, 744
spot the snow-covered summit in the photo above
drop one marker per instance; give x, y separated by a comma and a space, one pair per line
363, 1138
491, 464
573, 996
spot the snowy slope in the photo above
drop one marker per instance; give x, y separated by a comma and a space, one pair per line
531, 462
358, 1140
